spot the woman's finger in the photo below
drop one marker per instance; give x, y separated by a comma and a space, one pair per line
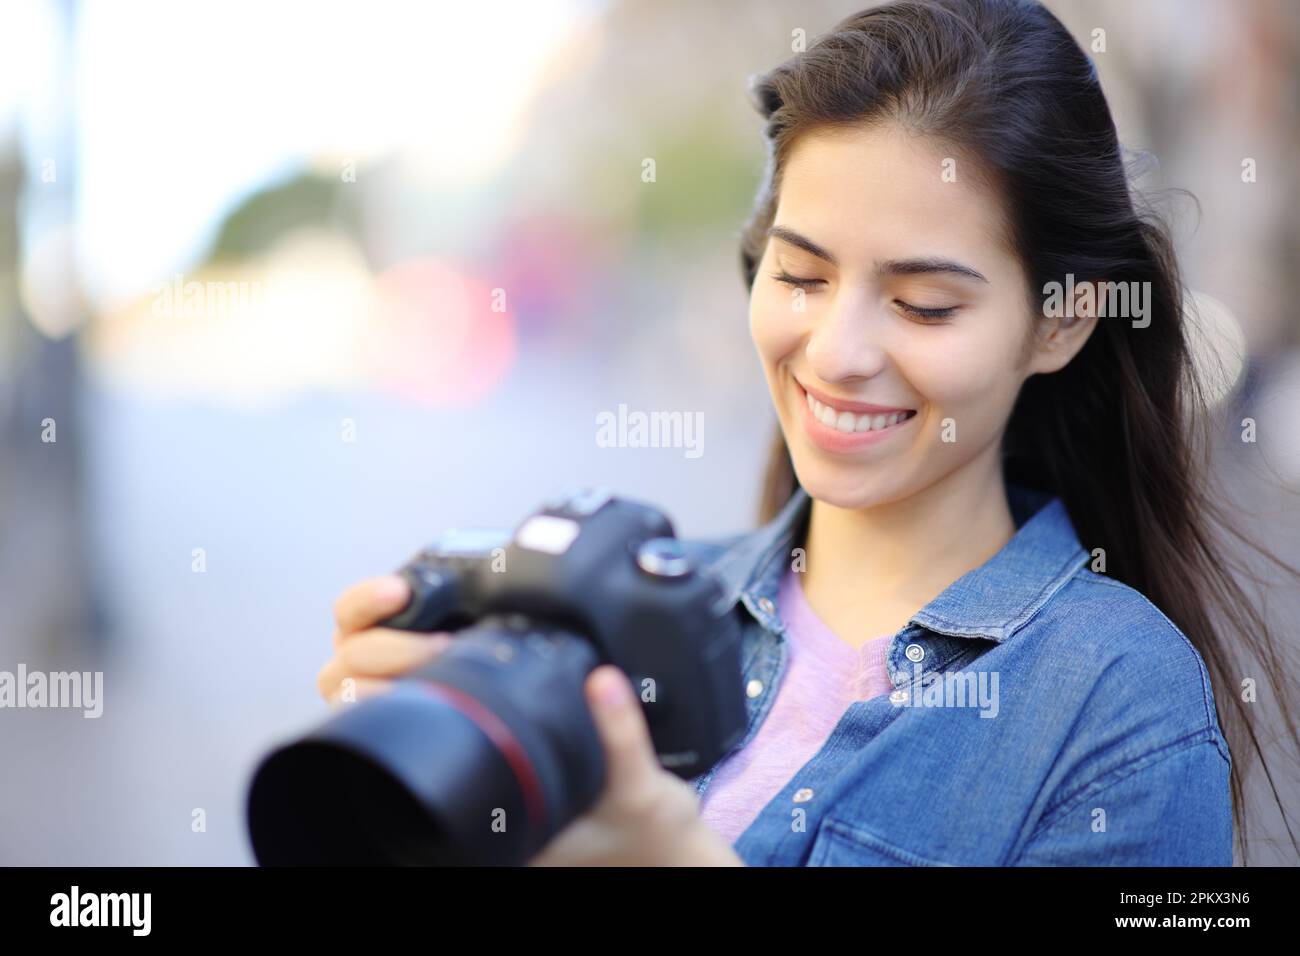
629, 751
386, 652
379, 652
369, 601
330, 676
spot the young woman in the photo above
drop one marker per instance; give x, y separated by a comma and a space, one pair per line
978, 615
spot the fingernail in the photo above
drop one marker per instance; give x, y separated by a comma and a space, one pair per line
613, 690
392, 587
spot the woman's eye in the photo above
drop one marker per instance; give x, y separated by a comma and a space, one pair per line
795, 281
917, 312
923, 314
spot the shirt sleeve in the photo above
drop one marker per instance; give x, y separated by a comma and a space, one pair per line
1171, 808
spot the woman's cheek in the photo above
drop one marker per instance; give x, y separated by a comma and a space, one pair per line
959, 378
773, 326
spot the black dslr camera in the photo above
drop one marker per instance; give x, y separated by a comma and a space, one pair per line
483, 755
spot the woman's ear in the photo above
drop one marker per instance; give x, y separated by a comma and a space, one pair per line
1063, 330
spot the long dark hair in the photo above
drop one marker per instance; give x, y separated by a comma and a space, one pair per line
1120, 433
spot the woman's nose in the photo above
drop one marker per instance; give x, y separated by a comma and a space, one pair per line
846, 341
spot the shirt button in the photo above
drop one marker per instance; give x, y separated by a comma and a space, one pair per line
767, 605
803, 794
898, 696
754, 688
915, 652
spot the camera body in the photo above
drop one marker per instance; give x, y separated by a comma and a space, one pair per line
489, 750
611, 571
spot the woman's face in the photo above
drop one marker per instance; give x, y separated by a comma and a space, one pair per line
911, 312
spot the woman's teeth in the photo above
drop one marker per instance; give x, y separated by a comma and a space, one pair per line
848, 422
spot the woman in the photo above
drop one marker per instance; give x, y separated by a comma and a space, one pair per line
978, 615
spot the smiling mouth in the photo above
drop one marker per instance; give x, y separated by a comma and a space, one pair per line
852, 421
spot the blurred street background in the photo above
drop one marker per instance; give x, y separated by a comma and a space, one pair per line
286, 288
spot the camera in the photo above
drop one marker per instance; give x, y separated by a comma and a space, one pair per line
487, 752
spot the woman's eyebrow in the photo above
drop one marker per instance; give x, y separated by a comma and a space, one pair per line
911, 267
902, 267
803, 242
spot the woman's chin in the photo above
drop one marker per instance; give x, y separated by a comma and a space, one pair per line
845, 487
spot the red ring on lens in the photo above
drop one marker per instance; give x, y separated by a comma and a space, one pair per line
496, 731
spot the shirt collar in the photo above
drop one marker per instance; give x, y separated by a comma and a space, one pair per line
992, 601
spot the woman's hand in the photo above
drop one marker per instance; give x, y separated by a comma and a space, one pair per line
645, 816
367, 659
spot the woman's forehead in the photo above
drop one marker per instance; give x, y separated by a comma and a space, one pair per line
868, 192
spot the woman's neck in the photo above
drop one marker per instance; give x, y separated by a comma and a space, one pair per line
868, 571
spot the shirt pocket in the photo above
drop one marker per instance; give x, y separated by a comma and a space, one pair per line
842, 844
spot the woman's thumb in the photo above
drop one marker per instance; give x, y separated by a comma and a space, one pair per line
629, 750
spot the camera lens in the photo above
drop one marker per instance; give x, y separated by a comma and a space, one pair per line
477, 759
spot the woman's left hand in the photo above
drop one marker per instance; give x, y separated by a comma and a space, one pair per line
646, 816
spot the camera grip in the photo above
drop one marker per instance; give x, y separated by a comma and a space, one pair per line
434, 598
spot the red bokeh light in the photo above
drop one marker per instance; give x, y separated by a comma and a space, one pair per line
437, 338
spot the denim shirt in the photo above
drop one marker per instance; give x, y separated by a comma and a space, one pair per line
1042, 714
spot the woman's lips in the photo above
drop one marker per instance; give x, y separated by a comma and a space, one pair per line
839, 426
857, 408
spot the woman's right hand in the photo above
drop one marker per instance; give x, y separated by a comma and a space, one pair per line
367, 659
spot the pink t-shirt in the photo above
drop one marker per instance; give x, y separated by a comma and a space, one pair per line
823, 676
